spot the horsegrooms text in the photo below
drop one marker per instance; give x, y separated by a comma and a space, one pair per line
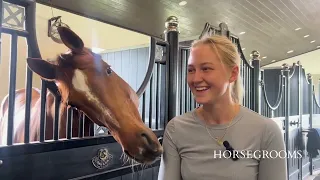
257, 154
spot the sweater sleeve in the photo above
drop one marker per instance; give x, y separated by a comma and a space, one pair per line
170, 159
273, 165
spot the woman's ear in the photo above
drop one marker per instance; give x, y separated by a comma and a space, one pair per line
234, 74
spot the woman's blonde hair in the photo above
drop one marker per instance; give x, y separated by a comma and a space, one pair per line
229, 56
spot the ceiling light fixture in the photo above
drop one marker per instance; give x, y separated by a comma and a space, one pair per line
312, 41
291, 51
182, 3
243, 49
273, 61
242, 33
297, 29
264, 57
306, 36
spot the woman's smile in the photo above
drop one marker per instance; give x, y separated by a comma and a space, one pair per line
201, 90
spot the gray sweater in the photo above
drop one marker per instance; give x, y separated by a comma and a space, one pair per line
190, 153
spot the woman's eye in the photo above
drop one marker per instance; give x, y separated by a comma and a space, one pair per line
190, 70
206, 68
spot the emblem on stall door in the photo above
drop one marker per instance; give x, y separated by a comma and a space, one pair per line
102, 159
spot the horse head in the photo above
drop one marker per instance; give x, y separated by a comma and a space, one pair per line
88, 83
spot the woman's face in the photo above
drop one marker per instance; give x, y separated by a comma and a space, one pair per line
207, 77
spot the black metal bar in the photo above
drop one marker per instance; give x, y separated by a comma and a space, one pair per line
24, 3
150, 101
34, 148
157, 95
179, 80
186, 89
43, 110
246, 85
152, 59
144, 106
166, 86
28, 102
69, 122
171, 36
163, 96
81, 124
162, 43
286, 72
30, 13
183, 73
300, 111
22, 33
91, 128
56, 117
12, 87
241, 74
310, 101
252, 86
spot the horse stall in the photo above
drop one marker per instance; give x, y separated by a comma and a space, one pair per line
88, 150
84, 150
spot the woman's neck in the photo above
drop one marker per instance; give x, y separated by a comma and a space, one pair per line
219, 113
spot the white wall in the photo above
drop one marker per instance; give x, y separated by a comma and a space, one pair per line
310, 62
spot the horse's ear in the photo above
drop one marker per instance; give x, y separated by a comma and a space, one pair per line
70, 39
43, 68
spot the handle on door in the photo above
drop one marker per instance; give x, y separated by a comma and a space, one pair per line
294, 123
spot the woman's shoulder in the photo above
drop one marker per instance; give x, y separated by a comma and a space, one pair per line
255, 117
181, 122
269, 126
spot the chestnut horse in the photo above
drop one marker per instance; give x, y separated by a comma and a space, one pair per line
88, 83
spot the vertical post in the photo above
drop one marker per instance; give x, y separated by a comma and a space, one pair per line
28, 87
300, 111
256, 81
286, 72
310, 101
171, 36
12, 87
224, 31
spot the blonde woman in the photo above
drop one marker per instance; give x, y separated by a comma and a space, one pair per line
220, 140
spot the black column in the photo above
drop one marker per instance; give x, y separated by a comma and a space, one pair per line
310, 101
256, 81
172, 36
286, 72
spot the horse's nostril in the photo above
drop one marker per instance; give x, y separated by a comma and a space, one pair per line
147, 138
160, 139
151, 146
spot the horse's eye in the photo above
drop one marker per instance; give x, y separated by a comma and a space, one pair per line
109, 71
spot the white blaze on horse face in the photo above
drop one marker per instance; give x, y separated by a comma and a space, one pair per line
79, 82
